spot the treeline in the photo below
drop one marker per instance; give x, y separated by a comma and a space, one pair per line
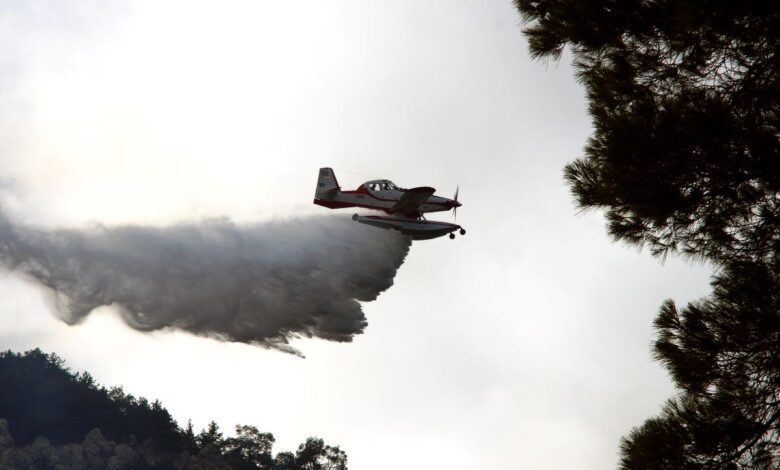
52, 418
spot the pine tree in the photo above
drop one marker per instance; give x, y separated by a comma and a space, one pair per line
685, 157
723, 353
685, 101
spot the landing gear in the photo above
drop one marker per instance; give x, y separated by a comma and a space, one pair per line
354, 216
452, 236
463, 231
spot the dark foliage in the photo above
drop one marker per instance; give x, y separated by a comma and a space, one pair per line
250, 449
685, 157
724, 354
39, 396
315, 455
211, 439
685, 100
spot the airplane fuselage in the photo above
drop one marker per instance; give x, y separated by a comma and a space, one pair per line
405, 207
380, 200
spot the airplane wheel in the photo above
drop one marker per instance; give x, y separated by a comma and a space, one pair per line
452, 236
354, 216
463, 231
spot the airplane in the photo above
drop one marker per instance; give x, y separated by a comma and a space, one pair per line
405, 207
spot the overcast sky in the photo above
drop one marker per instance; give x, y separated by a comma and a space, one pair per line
524, 344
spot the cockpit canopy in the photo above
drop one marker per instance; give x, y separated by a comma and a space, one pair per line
381, 185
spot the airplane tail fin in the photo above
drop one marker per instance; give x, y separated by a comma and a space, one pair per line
326, 184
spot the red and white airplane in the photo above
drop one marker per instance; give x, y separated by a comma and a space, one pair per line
405, 207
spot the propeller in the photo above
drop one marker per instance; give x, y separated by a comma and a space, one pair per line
455, 207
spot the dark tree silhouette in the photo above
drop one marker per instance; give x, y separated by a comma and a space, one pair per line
250, 449
685, 157
685, 101
285, 461
315, 455
211, 438
724, 354
190, 441
39, 396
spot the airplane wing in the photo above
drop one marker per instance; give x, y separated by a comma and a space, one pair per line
413, 199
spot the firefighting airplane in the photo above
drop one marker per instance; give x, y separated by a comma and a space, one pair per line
405, 207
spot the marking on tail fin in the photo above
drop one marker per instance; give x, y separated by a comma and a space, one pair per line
328, 179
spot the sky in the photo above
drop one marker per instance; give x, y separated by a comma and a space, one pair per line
525, 343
